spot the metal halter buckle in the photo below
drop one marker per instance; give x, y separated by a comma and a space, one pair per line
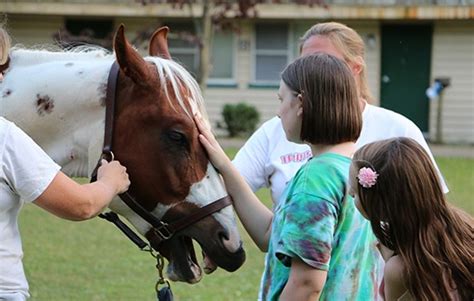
107, 155
163, 231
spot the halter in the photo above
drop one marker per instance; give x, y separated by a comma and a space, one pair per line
163, 230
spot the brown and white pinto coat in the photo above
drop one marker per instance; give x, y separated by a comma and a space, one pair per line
58, 99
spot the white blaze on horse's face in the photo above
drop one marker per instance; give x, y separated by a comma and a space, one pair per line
212, 188
202, 193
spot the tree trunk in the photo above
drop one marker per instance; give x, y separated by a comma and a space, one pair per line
206, 35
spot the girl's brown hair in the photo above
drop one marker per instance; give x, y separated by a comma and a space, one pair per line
410, 215
349, 43
331, 111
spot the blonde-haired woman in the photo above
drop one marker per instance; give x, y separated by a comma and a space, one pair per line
29, 175
268, 159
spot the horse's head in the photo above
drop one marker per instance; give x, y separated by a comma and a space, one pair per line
156, 138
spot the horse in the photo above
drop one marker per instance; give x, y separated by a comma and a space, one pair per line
58, 99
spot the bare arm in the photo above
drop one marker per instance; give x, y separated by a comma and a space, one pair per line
255, 216
69, 200
305, 282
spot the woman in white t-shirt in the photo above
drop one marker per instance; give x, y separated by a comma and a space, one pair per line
29, 175
268, 159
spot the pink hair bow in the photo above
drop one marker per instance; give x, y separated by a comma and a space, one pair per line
367, 177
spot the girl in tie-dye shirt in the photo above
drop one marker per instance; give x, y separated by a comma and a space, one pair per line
317, 221
319, 246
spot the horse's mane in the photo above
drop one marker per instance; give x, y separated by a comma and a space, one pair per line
178, 76
168, 70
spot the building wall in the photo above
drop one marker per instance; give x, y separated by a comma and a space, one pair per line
264, 98
453, 56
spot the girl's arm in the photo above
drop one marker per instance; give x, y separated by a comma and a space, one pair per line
255, 216
69, 200
305, 282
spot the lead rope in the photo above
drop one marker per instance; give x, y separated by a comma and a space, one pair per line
165, 293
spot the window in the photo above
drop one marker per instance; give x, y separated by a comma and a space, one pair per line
185, 51
271, 52
222, 58
181, 46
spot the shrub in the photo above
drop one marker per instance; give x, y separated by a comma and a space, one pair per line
240, 119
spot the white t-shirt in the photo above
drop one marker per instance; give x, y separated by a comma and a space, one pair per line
25, 172
268, 159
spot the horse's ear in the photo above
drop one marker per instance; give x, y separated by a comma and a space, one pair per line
129, 60
159, 43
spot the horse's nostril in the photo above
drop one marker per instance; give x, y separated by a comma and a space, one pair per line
223, 235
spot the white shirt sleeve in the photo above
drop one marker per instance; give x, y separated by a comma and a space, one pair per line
252, 159
28, 169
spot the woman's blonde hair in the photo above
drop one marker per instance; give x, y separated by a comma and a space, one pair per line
351, 45
5, 45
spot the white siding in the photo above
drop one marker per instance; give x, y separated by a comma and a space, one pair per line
244, 57
33, 30
453, 56
372, 53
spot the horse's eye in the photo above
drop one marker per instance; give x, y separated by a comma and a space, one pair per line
175, 140
177, 136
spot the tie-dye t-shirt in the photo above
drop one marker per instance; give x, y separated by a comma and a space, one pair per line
317, 221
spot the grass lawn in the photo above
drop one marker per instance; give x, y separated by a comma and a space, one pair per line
94, 261
459, 175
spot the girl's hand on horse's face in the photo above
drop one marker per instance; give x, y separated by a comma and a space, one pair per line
114, 175
217, 156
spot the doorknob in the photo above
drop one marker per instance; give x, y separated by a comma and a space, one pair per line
385, 79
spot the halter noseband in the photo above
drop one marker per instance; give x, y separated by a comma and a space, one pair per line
163, 230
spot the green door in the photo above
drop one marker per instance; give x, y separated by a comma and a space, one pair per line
406, 63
